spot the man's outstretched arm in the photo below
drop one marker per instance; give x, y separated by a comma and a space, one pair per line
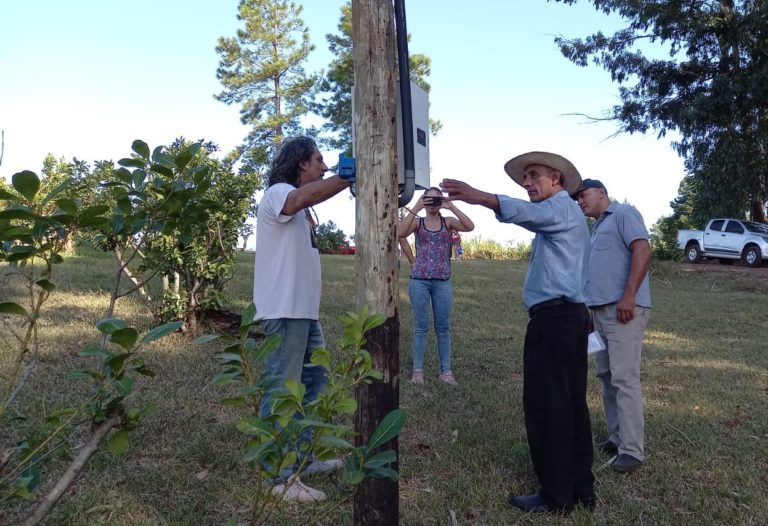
461, 191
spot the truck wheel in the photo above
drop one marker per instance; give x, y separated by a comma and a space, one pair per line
752, 256
692, 253
726, 261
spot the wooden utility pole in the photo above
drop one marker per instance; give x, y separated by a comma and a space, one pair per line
373, 37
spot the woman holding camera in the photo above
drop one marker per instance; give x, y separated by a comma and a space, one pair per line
431, 277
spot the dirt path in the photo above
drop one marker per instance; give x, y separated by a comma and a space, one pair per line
758, 276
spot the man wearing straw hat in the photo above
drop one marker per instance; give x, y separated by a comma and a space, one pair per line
555, 350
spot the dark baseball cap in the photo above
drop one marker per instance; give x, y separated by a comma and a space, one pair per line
590, 183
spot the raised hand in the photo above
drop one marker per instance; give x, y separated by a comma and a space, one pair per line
460, 191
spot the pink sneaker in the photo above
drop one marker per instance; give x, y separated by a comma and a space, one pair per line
448, 378
417, 378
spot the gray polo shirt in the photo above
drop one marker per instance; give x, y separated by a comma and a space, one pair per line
610, 256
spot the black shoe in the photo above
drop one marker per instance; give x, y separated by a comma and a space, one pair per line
608, 447
535, 504
626, 463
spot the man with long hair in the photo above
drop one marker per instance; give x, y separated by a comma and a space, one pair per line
287, 281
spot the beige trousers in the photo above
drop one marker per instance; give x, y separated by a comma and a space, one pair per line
618, 368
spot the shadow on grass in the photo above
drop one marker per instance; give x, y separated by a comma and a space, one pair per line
463, 449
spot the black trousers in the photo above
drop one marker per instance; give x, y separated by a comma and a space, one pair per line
555, 403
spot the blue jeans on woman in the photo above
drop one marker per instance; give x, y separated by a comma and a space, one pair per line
440, 293
298, 338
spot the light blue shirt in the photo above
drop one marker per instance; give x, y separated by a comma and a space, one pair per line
560, 255
611, 258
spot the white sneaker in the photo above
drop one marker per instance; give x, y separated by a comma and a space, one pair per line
296, 490
323, 466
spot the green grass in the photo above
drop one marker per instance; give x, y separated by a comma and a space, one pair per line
463, 450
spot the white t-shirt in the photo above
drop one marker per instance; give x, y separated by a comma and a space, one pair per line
286, 276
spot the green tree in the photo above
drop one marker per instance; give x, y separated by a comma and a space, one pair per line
261, 69
69, 176
335, 106
712, 89
68, 180
330, 238
684, 216
178, 213
157, 197
5, 191
57, 171
205, 258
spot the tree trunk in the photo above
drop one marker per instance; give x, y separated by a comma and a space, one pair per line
192, 311
376, 500
757, 209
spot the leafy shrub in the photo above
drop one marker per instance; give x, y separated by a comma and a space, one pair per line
330, 238
479, 248
278, 439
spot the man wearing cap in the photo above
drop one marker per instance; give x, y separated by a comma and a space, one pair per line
555, 349
619, 298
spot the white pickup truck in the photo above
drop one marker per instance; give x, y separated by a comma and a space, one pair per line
728, 240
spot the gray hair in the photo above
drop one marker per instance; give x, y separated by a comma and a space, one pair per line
285, 165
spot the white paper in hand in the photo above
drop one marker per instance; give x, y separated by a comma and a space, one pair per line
595, 343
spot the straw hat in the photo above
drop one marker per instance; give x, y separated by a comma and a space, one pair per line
515, 168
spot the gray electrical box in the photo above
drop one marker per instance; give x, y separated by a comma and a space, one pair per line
420, 112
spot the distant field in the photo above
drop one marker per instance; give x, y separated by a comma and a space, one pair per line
463, 449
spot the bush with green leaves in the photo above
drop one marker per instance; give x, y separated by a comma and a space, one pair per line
686, 215
35, 227
479, 248
159, 200
111, 382
189, 209
330, 238
274, 439
664, 238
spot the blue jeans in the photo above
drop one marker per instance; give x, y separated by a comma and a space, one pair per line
298, 338
440, 293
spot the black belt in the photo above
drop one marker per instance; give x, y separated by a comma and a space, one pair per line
549, 303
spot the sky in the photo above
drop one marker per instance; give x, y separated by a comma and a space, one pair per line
84, 78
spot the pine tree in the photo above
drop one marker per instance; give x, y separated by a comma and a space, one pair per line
262, 70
